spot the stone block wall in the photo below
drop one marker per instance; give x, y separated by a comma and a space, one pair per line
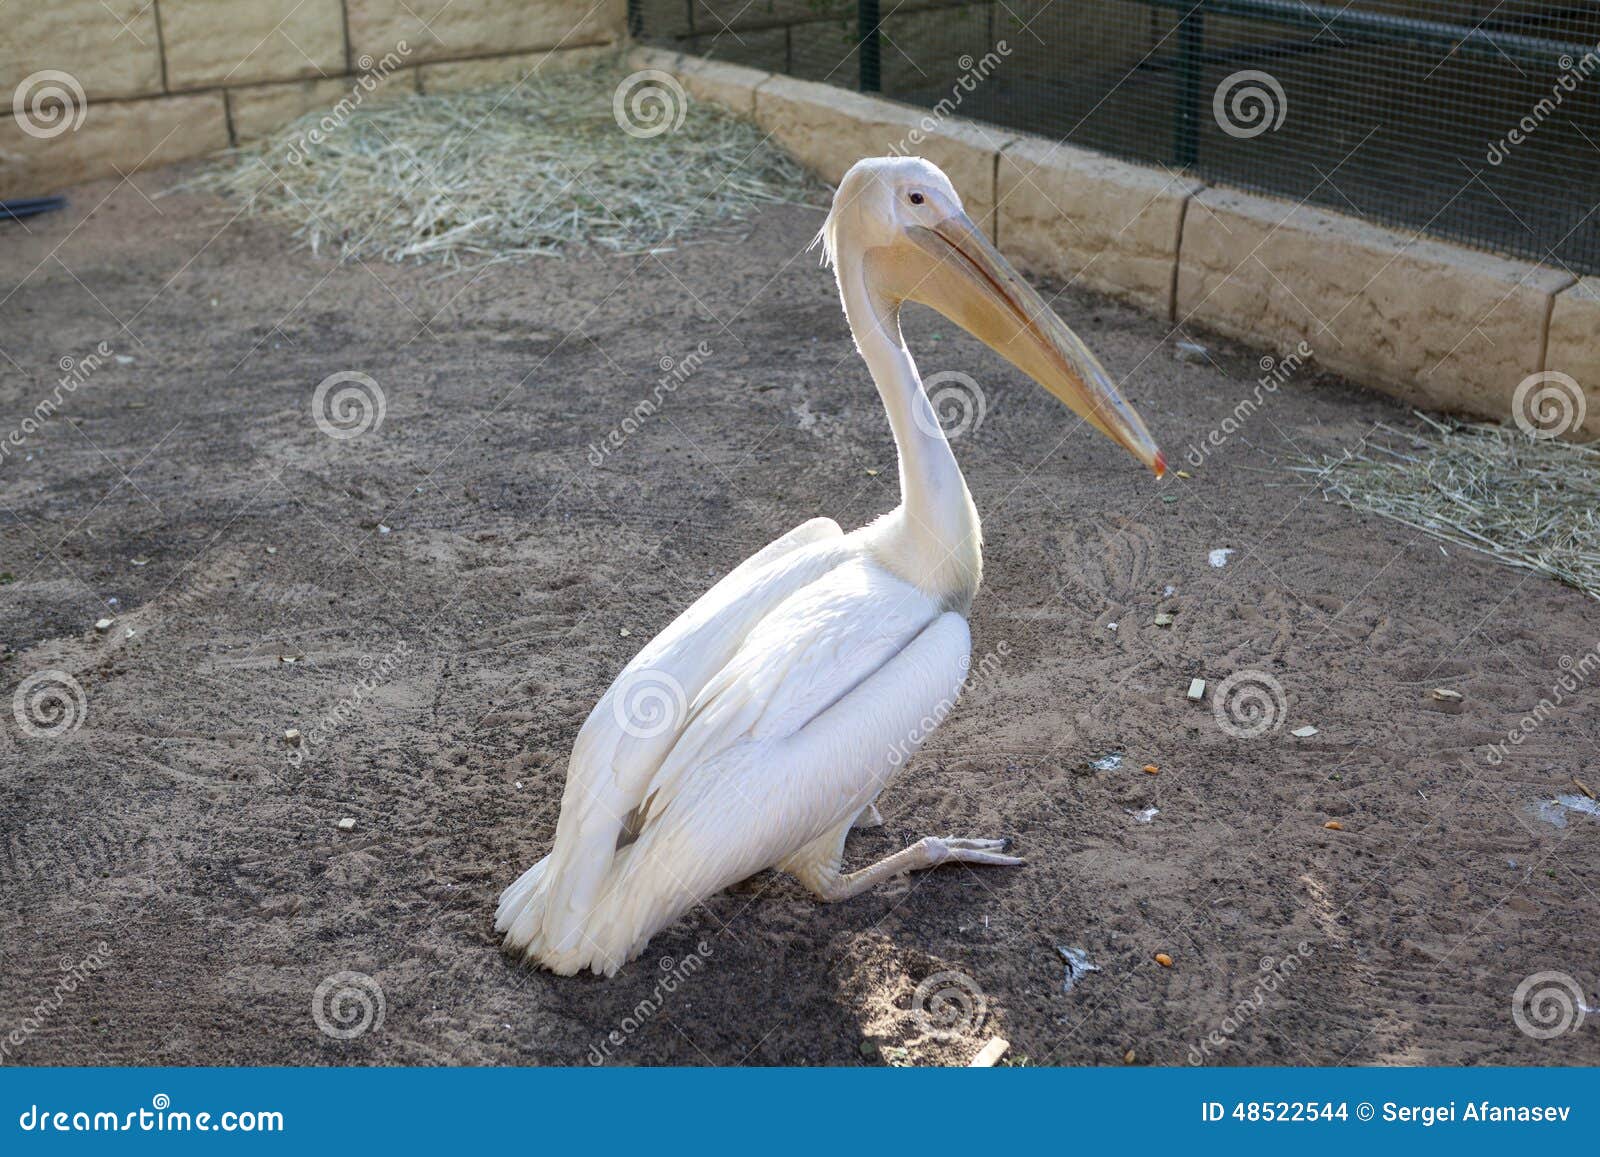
108, 87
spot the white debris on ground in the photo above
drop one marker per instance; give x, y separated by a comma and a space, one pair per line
1554, 811
1078, 965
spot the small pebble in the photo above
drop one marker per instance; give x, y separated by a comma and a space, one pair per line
292, 737
347, 824
1334, 826
1127, 1057
1197, 690
1164, 960
1163, 620
103, 625
1305, 732
1151, 769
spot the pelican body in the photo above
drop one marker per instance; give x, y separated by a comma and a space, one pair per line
764, 722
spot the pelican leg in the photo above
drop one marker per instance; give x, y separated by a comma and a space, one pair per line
821, 875
870, 817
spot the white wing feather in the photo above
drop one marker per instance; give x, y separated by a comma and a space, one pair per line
793, 725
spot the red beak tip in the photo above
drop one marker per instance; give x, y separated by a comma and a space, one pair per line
1161, 464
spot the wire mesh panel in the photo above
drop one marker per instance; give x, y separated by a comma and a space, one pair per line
1477, 120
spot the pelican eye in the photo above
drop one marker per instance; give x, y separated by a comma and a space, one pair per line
916, 198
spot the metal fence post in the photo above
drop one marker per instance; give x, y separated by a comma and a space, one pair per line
871, 58
1186, 123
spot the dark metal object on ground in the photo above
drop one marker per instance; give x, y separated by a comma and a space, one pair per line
29, 207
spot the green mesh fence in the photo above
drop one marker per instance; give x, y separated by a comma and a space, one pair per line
1477, 121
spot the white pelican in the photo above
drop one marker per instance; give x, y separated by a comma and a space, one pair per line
763, 723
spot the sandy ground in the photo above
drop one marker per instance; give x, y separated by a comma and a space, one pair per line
465, 580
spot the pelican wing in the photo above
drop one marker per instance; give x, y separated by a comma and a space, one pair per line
801, 727
637, 722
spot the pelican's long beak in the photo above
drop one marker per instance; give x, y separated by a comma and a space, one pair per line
975, 287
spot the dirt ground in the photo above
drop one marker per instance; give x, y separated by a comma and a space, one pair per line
456, 587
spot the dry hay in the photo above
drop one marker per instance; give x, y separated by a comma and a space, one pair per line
499, 174
1530, 502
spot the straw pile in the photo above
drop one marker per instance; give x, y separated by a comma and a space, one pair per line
505, 173
1529, 502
